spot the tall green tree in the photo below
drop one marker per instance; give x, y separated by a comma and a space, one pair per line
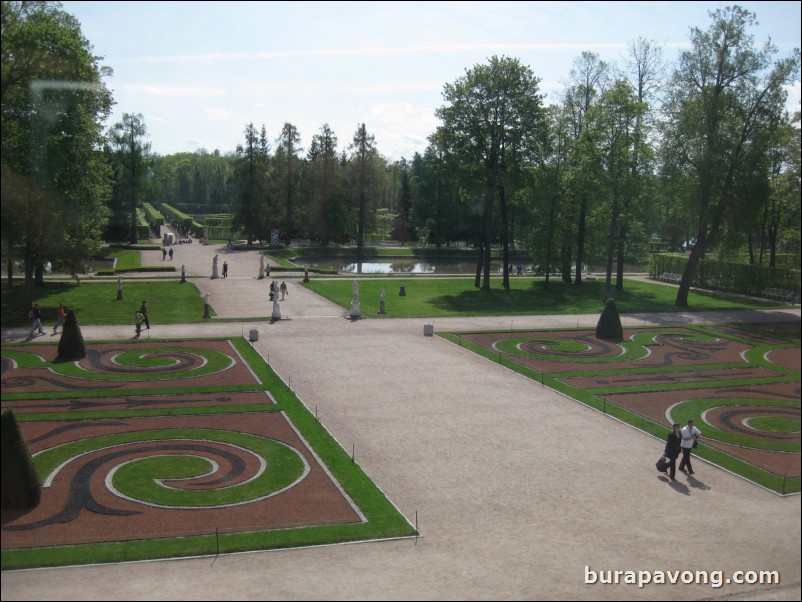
251, 211
645, 68
131, 157
588, 80
438, 212
327, 213
614, 126
783, 212
547, 198
401, 228
286, 173
53, 104
723, 92
363, 153
493, 120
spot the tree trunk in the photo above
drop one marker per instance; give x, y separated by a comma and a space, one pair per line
690, 269
29, 258
10, 267
619, 276
478, 282
608, 277
565, 264
580, 239
505, 240
488, 233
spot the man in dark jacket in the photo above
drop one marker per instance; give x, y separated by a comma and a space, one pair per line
673, 449
144, 311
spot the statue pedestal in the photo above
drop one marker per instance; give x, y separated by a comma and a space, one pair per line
276, 311
355, 312
381, 307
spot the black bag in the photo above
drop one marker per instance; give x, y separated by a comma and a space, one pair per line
695, 443
662, 464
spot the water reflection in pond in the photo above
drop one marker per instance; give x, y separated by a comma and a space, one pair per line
400, 266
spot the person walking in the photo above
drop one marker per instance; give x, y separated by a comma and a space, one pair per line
283, 289
164, 253
690, 435
61, 315
143, 309
139, 319
36, 315
673, 449
225, 269
171, 253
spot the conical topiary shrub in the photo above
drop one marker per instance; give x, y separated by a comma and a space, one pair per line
609, 327
20, 481
71, 345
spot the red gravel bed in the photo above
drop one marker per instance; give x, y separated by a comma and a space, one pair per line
315, 500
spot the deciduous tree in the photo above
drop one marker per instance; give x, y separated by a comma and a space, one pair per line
723, 91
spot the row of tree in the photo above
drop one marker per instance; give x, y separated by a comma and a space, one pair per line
705, 157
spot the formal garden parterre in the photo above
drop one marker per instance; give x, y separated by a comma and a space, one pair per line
155, 449
740, 383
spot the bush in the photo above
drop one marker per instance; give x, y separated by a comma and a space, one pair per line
142, 268
20, 481
71, 346
609, 326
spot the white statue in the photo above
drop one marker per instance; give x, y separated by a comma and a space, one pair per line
261, 265
355, 287
214, 268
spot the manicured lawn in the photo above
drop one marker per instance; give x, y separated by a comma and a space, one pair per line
125, 259
95, 303
457, 296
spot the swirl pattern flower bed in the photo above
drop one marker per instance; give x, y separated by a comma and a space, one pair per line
163, 448
741, 384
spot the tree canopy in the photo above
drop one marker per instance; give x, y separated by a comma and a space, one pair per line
55, 180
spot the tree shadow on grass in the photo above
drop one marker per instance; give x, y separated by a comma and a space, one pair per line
12, 309
559, 297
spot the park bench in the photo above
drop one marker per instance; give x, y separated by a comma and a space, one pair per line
778, 294
669, 277
389, 243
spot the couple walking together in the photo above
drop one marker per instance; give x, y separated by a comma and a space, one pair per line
681, 441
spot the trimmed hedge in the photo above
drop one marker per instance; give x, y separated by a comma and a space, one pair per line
609, 328
71, 345
153, 217
181, 219
20, 481
740, 278
142, 228
142, 268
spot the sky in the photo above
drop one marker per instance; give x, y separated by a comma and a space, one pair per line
199, 72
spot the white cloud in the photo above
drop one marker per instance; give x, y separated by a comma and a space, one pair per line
400, 128
218, 113
169, 91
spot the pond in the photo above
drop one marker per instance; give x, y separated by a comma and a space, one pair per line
412, 265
